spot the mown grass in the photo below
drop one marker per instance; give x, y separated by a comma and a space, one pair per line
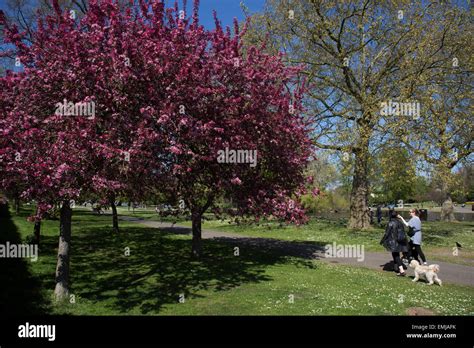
160, 269
439, 238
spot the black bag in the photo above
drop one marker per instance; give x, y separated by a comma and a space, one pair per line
411, 231
401, 237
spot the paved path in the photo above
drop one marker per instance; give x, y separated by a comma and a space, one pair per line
449, 273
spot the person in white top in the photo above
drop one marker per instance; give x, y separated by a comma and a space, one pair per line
415, 240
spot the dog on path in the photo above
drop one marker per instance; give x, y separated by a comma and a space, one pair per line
428, 272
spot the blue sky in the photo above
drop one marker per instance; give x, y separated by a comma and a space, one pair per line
226, 9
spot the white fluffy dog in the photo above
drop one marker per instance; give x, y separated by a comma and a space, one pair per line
429, 272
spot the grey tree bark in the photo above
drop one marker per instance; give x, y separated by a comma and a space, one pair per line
61, 291
115, 226
447, 210
196, 218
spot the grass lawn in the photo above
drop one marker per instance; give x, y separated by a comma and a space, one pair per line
438, 237
159, 270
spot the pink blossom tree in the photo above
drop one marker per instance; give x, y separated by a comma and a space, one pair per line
171, 103
210, 96
73, 114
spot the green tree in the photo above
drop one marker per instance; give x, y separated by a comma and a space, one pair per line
463, 188
420, 189
395, 174
323, 171
443, 133
357, 55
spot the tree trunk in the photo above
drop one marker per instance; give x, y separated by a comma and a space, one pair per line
447, 210
37, 229
115, 226
196, 243
61, 291
17, 205
359, 214
447, 207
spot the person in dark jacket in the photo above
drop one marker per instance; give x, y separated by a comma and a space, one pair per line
379, 214
395, 240
415, 240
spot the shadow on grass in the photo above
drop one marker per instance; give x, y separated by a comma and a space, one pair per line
20, 291
391, 267
302, 249
305, 250
160, 268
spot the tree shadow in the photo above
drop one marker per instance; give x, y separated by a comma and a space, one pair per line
160, 267
305, 250
20, 291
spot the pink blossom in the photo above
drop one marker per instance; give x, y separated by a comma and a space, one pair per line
236, 181
175, 150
